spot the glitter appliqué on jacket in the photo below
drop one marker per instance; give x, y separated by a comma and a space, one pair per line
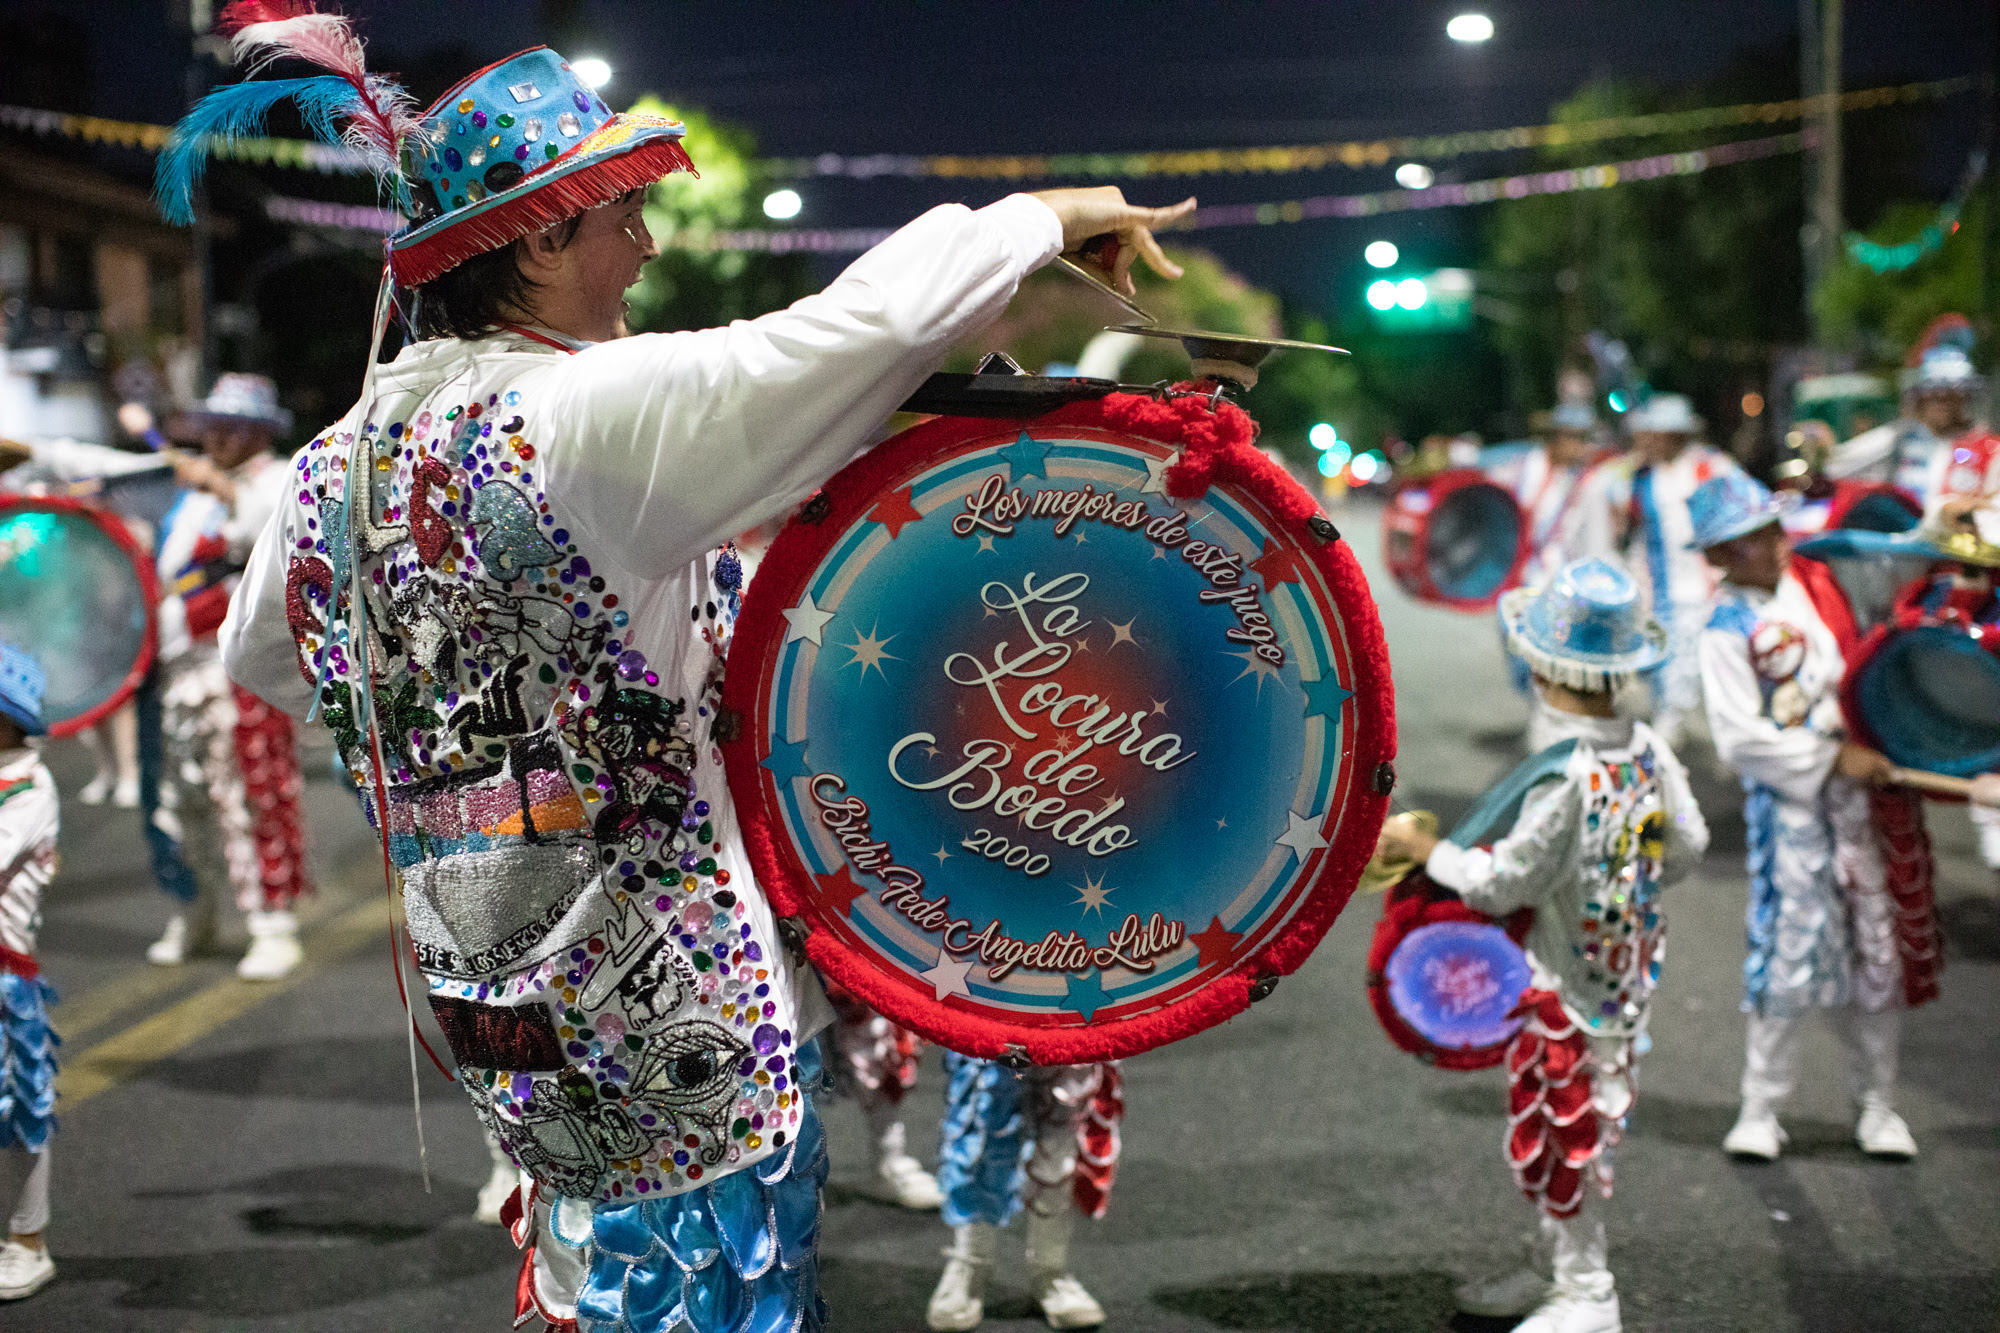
560, 868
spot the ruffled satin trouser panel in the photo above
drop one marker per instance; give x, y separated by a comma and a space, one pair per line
1012, 1140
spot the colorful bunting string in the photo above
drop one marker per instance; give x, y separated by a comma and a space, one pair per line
1599, 177
1372, 153
1895, 258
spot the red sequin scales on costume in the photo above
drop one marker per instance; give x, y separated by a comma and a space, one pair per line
1555, 1136
266, 752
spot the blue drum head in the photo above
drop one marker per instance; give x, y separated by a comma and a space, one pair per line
1474, 536
1931, 696
1454, 982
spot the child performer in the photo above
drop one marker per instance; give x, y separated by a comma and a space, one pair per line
1822, 922
1590, 851
875, 1063
27, 1044
1045, 1140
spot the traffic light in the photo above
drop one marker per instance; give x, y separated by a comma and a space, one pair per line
1440, 300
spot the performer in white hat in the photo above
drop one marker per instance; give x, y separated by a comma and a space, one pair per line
1635, 511
233, 756
1822, 922
1609, 826
499, 578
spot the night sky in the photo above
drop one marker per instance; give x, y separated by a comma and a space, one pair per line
1034, 77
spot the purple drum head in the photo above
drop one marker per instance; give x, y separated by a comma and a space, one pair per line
1454, 981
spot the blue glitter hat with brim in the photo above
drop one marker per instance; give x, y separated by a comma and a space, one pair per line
517, 147
1587, 628
1733, 505
22, 684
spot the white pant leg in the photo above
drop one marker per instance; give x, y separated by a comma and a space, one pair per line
31, 1202
1580, 1266
1986, 819
1870, 1044
1771, 1061
219, 835
1864, 882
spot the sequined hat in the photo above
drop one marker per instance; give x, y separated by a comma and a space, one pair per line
1733, 505
240, 397
21, 687
1664, 412
1588, 627
517, 147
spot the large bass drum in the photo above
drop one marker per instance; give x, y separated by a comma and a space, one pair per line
1455, 539
77, 593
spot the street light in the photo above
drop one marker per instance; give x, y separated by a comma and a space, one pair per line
1323, 436
1414, 176
1382, 294
593, 73
1469, 28
1381, 254
782, 204
1411, 294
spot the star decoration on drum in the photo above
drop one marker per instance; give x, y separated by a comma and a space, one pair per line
78, 594
1060, 739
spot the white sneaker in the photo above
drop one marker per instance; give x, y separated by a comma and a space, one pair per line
493, 1195
274, 947
94, 791
1506, 1294
1882, 1133
125, 796
1756, 1134
909, 1184
1573, 1312
171, 949
959, 1302
23, 1271
1064, 1302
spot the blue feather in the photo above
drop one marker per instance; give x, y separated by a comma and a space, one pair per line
237, 111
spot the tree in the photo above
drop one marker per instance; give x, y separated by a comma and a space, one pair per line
691, 288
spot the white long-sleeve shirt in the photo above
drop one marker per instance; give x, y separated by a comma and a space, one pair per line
29, 819
1616, 521
1590, 851
1771, 673
547, 620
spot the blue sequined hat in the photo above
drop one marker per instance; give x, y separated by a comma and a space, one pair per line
1733, 505
519, 146
1588, 627
21, 687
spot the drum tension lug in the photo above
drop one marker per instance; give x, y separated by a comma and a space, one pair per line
816, 509
1384, 779
1323, 528
728, 726
1016, 1058
792, 933
1261, 988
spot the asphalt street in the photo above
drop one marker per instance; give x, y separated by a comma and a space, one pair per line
235, 1157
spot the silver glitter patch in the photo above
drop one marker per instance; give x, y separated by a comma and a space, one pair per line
479, 913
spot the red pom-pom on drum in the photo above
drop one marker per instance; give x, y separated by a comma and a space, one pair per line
1454, 538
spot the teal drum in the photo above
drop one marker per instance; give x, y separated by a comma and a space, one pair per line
77, 593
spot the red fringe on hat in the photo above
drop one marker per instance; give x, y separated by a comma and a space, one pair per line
540, 206
1215, 444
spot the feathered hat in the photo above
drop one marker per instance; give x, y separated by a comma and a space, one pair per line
519, 146
1942, 358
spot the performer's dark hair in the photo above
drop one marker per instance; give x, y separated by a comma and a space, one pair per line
475, 297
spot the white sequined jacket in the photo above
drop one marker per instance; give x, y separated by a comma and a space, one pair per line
548, 614
1590, 852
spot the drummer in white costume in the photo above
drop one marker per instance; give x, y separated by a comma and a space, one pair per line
1590, 850
1821, 921
1635, 510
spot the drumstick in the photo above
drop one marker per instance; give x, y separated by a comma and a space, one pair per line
1941, 784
